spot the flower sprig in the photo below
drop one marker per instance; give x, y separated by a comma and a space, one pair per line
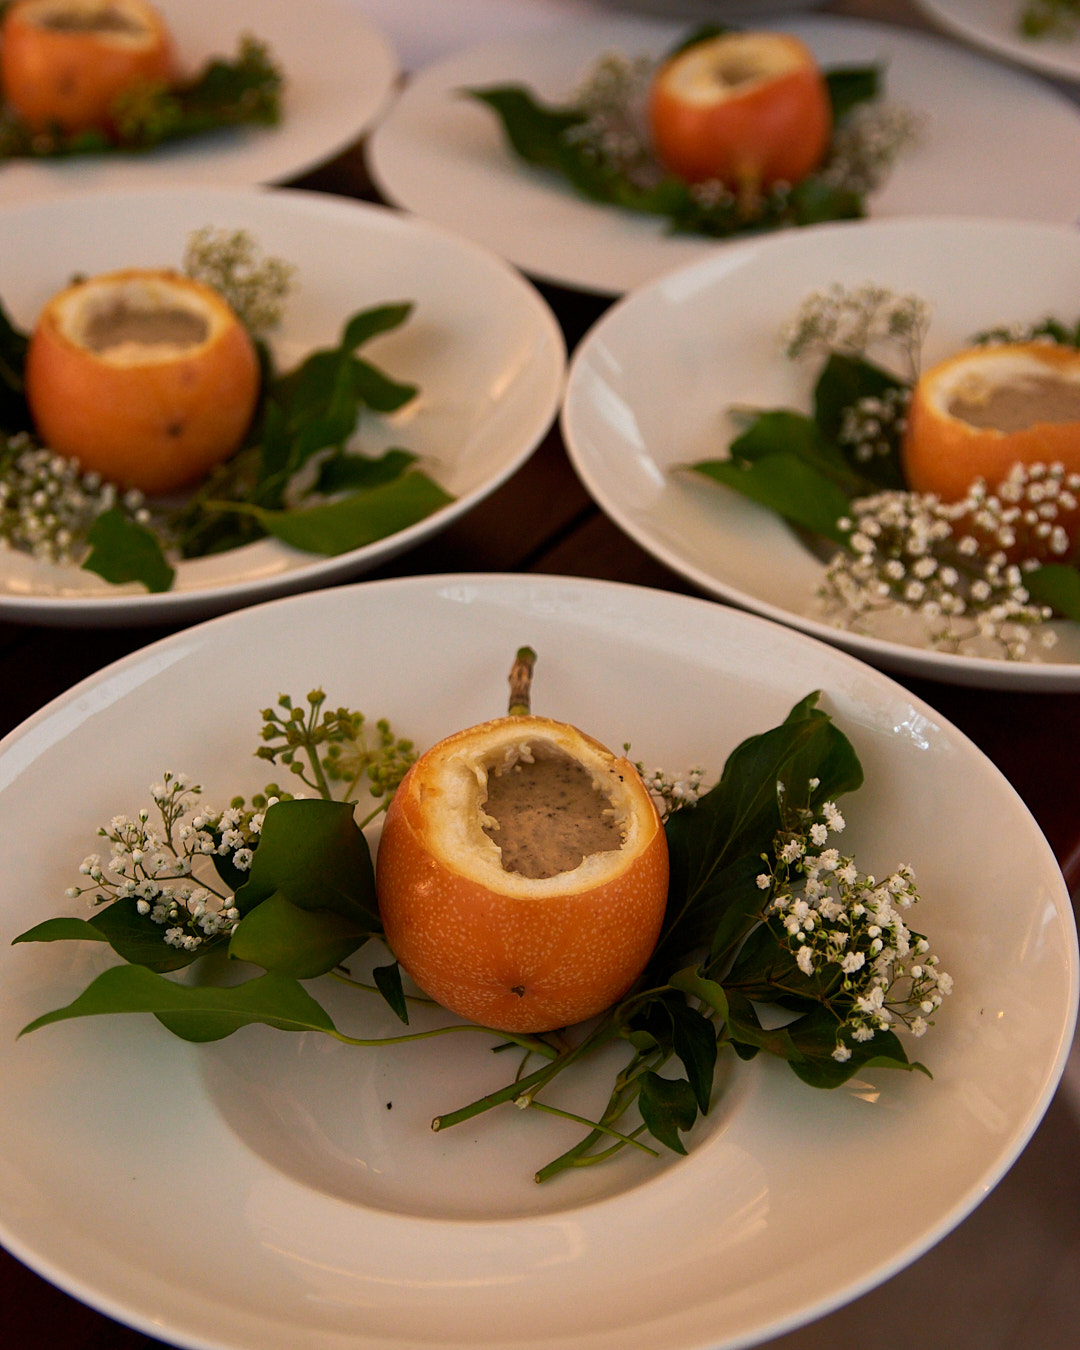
853, 320
847, 928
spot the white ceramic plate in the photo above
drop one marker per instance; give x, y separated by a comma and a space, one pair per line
443, 157
483, 347
339, 72
651, 386
992, 24
260, 1195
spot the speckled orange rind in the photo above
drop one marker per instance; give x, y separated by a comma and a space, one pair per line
498, 948
944, 455
155, 419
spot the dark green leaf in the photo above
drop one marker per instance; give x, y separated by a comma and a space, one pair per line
815, 201
315, 854
122, 550
844, 380
288, 940
62, 930
784, 483
195, 1013
388, 982
1056, 585
849, 86
535, 132
359, 519
667, 1106
369, 323
378, 391
814, 1036
694, 1038
138, 939
344, 472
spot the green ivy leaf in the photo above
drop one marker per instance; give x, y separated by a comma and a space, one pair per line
195, 1013
388, 983
359, 519
344, 472
122, 550
849, 86
303, 943
1056, 585
667, 1106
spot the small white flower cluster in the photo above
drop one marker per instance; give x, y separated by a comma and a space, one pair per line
872, 426
950, 563
867, 144
673, 793
612, 94
255, 288
47, 503
155, 866
847, 927
853, 320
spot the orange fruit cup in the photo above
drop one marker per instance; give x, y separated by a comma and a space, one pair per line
750, 109
505, 948
143, 376
980, 412
63, 62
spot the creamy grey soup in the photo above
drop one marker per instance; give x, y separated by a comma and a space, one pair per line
118, 324
550, 816
100, 21
1012, 407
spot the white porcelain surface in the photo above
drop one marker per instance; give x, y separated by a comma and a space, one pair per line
652, 385
992, 24
339, 71
443, 156
260, 1195
482, 346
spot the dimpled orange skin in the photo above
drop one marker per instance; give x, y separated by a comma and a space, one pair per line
70, 80
776, 130
521, 965
156, 426
945, 455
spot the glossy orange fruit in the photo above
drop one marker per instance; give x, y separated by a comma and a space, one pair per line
143, 376
63, 62
750, 109
510, 904
986, 409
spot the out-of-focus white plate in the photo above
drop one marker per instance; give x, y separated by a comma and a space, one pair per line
652, 385
279, 1192
993, 25
339, 71
481, 344
443, 156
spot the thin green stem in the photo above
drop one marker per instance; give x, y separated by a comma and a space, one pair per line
597, 1127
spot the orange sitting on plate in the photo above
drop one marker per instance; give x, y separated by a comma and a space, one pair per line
984, 410
143, 376
522, 874
63, 62
750, 109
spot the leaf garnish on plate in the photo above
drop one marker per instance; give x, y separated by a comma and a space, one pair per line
773, 942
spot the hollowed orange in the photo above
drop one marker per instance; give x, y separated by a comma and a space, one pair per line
509, 950
146, 377
63, 62
750, 109
986, 409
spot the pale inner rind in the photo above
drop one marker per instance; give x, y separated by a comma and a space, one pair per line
137, 320
1008, 391
121, 23
455, 818
730, 66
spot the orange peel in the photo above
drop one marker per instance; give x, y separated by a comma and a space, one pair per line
64, 62
983, 410
518, 952
143, 376
751, 109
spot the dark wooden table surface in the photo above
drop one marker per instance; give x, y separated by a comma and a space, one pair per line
542, 521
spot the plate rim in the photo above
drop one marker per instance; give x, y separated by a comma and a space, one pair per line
114, 1307
983, 672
